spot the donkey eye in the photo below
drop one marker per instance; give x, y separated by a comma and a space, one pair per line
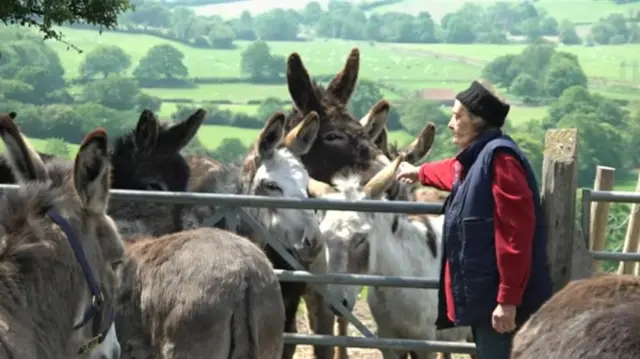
332, 136
271, 186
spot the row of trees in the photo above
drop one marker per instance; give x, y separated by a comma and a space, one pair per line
472, 23
539, 72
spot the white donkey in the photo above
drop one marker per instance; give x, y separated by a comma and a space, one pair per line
386, 244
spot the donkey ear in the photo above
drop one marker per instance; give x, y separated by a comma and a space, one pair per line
92, 170
24, 161
382, 141
301, 89
271, 135
375, 120
344, 83
146, 134
180, 134
300, 139
421, 145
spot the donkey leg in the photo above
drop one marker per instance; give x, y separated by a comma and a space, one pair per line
343, 326
324, 320
291, 293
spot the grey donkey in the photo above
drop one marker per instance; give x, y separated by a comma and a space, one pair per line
60, 253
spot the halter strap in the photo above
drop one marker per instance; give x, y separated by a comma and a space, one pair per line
97, 298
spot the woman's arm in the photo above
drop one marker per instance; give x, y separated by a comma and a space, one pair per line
439, 174
514, 224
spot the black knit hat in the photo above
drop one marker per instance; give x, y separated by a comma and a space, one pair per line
483, 103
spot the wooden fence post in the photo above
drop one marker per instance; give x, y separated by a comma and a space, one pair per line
605, 177
631, 238
559, 185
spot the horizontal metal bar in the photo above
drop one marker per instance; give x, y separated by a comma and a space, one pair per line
356, 279
380, 343
615, 196
615, 256
237, 200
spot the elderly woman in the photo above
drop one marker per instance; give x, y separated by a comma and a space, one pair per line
495, 272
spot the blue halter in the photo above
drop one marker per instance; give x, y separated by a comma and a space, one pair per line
94, 312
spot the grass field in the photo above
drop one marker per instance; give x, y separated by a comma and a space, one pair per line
40, 145
212, 135
575, 10
236, 93
597, 61
320, 57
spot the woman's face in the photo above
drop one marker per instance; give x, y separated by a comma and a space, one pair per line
463, 127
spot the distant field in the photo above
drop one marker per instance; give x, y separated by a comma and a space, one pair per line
574, 10
597, 61
212, 135
236, 93
40, 145
233, 10
321, 57
520, 114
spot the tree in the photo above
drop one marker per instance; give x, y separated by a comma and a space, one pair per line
105, 60
115, 92
45, 15
161, 62
146, 101
229, 150
525, 86
568, 34
561, 74
222, 36
268, 107
500, 71
416, 114
259, 64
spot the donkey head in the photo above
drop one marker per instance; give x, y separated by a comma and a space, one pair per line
149, 158
58, 215
280, 173
347, 233
342, 144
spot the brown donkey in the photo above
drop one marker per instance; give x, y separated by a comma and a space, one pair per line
591, 318
60, 253
201, 294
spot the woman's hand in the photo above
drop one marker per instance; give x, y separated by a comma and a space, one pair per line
407, 173
503, 319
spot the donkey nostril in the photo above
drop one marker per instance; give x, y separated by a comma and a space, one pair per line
307, 242
345, 303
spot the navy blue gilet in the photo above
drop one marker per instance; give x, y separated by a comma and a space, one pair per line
469, 243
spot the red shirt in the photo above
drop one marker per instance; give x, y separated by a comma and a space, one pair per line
513, 218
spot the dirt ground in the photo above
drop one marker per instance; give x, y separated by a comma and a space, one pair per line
361, 311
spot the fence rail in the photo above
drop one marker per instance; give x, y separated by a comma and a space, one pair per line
234, 203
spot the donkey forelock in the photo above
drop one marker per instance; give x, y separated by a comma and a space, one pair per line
44, 289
